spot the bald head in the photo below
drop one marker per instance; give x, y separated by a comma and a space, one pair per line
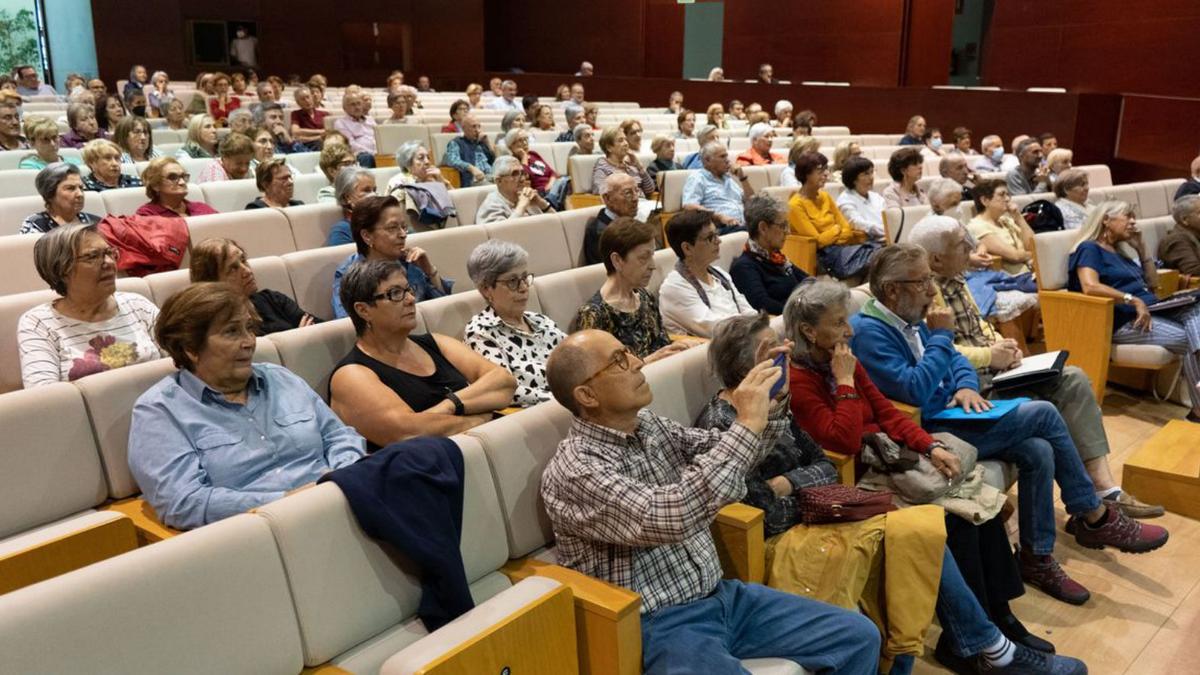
1196, 168
573, 361
620, 194
592, 374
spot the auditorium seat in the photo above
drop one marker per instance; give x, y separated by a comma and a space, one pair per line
672, 190
1098, 175
441, 141
383, 174
1170, 187
260, 232
9, 159
312, 352
305, 162
561, 294
1153, 201
466, 202
17, 182
14, 210
16, 259
449, 315
269, 272
574, 225
542, 236
124, 201
1123, 193
899, 222
311, 223
311, 273
448, 250
389, 137
229, 195
306, 187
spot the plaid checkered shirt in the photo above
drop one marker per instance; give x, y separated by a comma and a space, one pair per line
635, 509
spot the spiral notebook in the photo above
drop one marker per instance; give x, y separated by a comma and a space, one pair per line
1032, 370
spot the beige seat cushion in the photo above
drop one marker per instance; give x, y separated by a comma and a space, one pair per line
732, 246
269, 272
574, 225
18, 183
124, 201
542, 236
1053, 249
312, 352
682, 385
307, 185
214, 600
311, 273
389, 137
449, 315
581, 168
16, 259
1141, 356
466, 202
563, 293
1152, 200
672, 189
311, 223
448, 250
228, 196
305, 162
664, 262
260, 232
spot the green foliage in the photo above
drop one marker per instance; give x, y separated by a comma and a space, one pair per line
18, 39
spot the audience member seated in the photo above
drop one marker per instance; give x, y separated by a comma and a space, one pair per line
352, 184
138, 79
720, 188
1004, 236
379, 228
945, 198
620, 193
905, 166
908, 350
81, 118
803, 123
333, 159
175, 114
619, 158
858, 203
704, 135
954, 166
842, 250
235, 153
944, 240
991, 159
835, 401
191, 442
1058, 160
914, 131
240, 121
201, 139
716, 116
42, 133
663, 147
103, 157
1190, 187
98, 88
507, 100
674, 102
10, 126
766, 74
397, 103
222, 102
61, 188
759, 153
737, 110
686, 121
783, 114
962, 142
471, 154
573, 113
1072, 189
623, 306
697, 294
1180, 249
1049, 142
133, 138
932, 141
842, 152
159, 92
506, 333
800, 145
762, 272
167, 188
644, 524
541, 117
91, 327
1030, 175
543, 179
223, 260
1110, 260
514, 197
271, 117
513, 119
585, 141
393, 385
277, 184
28, 83
308, 123
358, 128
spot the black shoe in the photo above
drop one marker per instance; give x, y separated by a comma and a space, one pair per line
945, 655
1014, 630
1028, 662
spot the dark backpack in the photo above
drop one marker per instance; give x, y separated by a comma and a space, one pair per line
1043, 216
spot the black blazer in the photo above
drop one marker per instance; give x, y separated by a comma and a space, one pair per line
766, 286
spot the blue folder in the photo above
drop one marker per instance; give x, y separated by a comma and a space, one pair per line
999, 409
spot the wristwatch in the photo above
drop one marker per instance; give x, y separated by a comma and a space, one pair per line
459, 408
1128, 298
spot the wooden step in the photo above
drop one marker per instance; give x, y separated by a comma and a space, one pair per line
1166, 469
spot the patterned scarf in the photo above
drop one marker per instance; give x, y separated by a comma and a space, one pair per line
776, 258
822, 369
714, 273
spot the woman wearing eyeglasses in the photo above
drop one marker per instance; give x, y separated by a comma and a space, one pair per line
514, 196
394, 385
504, 332
91, 327
697, 294
167, 187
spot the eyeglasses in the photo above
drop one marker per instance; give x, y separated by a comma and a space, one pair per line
518, 174
927, 282
711, 237
515, 283
177, 177
395, 294
98, 255
620, 360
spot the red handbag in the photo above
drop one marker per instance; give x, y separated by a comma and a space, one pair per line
838, 503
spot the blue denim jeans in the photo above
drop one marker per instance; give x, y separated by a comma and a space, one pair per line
745, 621
1035, 439
959, 612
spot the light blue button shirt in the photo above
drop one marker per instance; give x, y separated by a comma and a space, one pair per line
720, 195
199, 458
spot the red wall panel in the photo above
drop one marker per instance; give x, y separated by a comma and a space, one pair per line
930, 25
554, 36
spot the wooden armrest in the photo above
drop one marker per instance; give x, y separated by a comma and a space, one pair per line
1081, 324
583, 200
149, 528
845, 467
738, 533
509, 410
325, 669
677, 338
451, 174
910, 410
66, 553
1168, 282
802, 252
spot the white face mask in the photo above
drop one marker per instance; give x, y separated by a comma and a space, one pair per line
936, 143
997, 154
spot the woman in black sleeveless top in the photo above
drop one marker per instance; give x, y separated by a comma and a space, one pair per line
393, 386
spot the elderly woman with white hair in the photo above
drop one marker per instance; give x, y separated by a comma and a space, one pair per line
704, 135
542, 178
351, 184
506, 332
619, 158
800, 146
716, 74
1058, 160
759, 152
861, 206
573, 113
103, 157
240, 120
159, 92
513, 119
416, 166
783, 114
61, 187
514, 197
81, 118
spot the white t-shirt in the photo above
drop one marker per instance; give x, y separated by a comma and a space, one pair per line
684, 313
57, 348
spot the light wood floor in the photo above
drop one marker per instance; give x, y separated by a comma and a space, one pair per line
1144, 614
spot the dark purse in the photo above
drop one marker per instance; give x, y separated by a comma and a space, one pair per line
838, 503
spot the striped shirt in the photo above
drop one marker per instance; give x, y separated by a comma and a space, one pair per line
57, 348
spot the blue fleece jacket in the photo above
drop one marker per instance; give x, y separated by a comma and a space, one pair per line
928, 384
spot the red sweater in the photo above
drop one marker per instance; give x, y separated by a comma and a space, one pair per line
839, 424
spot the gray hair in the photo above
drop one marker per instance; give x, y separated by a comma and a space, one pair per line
511, 135
493, 258
509, 118
709, 150
949, 161
54, 254
1093, 227
571, 111
77, 110
759, 130
932, 233
889, 264
508, 82
762, 208
345, 181
405, 154
781, 105
579, 130
239, 113
49, 178
806, 305
943, 188
610, 184
731, 350
706, 130
989, 139
1185, 206
360, 283
505, 165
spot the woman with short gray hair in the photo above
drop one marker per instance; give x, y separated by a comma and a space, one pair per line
351, 185
506, 332
91, 327
514, 197
585, 140
61, 186
416, 167
81, 118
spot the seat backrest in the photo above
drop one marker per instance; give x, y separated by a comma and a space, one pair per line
1169, 187
664, 262
123, 201
759, 177
18, 183
682, 384
1053, 249
574, 224
269, 272
466, 202
731, 247
307, 186
311, 223
1124, 193
449, 248
305, 162
782, 193
49, 467
1098, 174
518, 448
389, 137
440, 142
346, 587
230, 195
1152, 201
260, 232
214, 600
9, 159
562, 294
542, 236
1153, 230
16, 259
311, 273
581, 167
312, 352
672, 189
449, 315
383, 174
